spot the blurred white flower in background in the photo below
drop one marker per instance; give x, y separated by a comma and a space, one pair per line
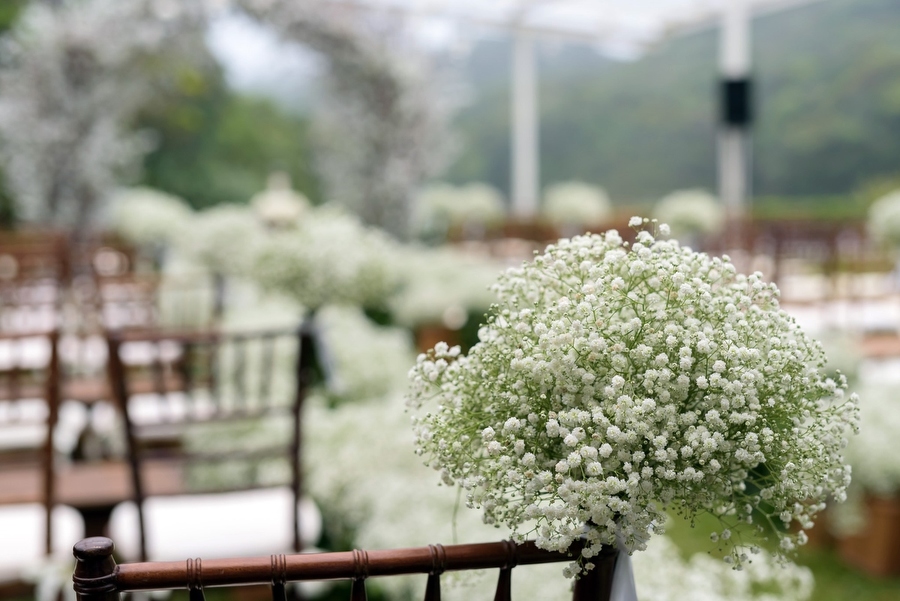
884, 219
442, 206
68, 88
438, 280
147, 217
576, 203
224, 239
690, 213
367, 361
279, 205
332, 258
662, 575
381, 125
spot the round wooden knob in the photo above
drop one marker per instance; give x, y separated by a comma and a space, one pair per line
94, 548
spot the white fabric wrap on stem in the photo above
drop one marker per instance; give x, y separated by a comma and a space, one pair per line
623, 587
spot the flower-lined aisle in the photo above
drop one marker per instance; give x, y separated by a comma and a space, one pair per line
376, 492
379, 495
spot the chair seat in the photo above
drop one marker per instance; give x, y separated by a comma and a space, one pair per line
233, 524
23, 529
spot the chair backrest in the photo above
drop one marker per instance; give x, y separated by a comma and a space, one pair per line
210, 411
98, 578
29, 400
152, 300
34, 272
29, 255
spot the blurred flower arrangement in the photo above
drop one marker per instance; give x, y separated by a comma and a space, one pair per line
440, 282
382, 127
441, 207
332, 258
884, 220
876, 468
224, 239
576, 204
148, 217
279, 205
352, 341
690, 213
662, 575
614, 383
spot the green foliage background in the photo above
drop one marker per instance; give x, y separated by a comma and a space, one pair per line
217, 146
827, 93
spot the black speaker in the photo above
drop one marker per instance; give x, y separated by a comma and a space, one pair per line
736, 102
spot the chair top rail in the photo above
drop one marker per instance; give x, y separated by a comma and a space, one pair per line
93, 554
201, 335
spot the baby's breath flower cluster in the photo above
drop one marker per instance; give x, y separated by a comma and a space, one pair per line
615, 382
444, 205
884, 219
330, 258
223, 239
436, 280
145, 216
576, 203
690, 212
279, 205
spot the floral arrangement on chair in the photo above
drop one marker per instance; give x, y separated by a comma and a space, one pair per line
330, 258
147, 217
576, 204
690, 212
443, 206
614, 383
279, 205
224, 239
884, 219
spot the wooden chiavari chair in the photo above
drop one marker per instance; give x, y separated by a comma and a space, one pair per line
33, 523
188, 398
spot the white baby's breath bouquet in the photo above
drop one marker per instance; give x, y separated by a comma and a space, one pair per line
224, 239
576, 203
691, 212
614, 383
438, 280
442, 205
884, 220
330, 258
146, 216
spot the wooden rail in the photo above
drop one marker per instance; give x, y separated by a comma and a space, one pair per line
98, 578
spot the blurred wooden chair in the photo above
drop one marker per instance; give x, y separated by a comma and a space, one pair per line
209, 413
98, 578
122, 286
34, 274
33, 523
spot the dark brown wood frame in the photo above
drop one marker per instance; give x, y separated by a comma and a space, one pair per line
50, 393
304, 371
98, 578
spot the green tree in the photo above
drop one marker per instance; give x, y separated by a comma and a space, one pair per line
216, 146
9, 11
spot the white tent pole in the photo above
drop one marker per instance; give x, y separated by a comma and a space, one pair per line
734, 138
524, 142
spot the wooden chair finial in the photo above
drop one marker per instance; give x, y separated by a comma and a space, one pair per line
95, 570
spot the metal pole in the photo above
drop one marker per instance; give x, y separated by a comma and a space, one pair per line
734, 133
525, 175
